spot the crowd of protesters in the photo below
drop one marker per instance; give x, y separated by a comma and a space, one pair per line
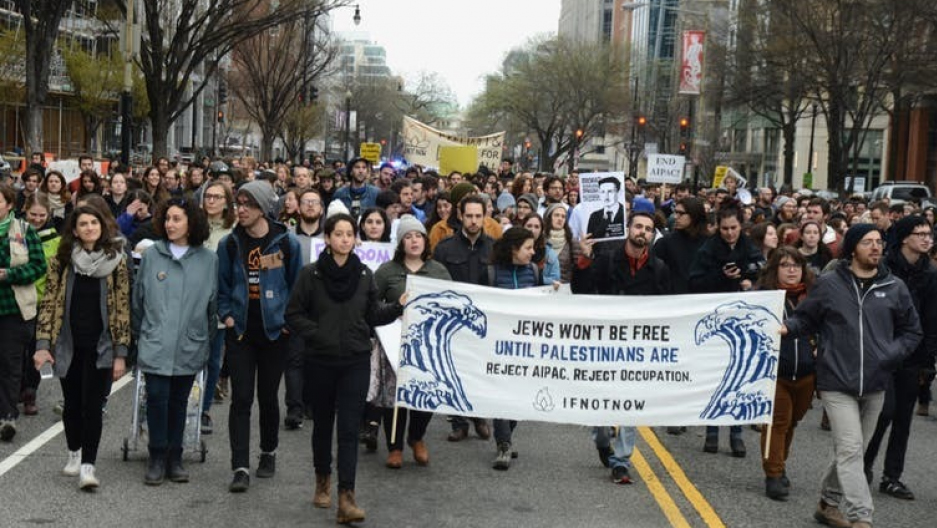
173, 269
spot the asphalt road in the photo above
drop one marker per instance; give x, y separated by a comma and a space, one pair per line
556, 482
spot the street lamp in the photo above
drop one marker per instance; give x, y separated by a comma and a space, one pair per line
347, 123
357, 17
813, 131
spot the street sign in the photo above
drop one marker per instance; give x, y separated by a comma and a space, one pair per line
371, 152
662, 168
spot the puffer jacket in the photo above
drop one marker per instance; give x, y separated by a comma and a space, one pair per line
864, 336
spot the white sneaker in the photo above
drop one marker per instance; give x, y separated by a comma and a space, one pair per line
73, 466
87, 481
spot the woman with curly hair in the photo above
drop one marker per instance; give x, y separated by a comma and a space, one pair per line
54, 189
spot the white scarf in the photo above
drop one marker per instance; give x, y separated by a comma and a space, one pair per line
95, 264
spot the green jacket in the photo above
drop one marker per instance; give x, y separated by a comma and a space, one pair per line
391, 278
175, 311
20, 275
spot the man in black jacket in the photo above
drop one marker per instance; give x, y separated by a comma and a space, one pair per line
867, 325
910, 263
465, 254
626, 268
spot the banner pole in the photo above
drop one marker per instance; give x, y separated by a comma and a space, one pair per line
767, 439
393, 426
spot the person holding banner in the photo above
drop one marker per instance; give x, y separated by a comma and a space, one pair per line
511, 268
333, 306
626, 268
465, 255
867, 322
788, 270
727, 262
412, 257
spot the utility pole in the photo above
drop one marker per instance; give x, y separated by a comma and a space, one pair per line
126, 97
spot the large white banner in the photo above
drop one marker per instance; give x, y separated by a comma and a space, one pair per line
422, 143
590, 360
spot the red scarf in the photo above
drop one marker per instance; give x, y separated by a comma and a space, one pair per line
635, 264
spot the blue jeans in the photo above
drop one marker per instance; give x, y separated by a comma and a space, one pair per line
214, 370
622, 443
504, 430
166, 400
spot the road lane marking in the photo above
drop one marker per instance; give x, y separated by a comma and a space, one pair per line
36, 443
692, 494
654, 485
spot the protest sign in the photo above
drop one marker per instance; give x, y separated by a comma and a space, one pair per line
662, 168
590, 360
370, 152
602, 199
461, 159
372, 254
422, 144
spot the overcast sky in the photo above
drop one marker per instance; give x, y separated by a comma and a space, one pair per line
462, 40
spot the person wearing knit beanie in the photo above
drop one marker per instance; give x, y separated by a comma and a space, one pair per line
261, 193
904, 228
531, 199
408, 224
460, 191
505, 201
852, 238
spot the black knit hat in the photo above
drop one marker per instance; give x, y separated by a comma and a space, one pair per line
905, 226
852, 238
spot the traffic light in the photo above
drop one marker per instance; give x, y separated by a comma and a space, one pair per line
383, 142
579, 134
684, 124
526, 144
313, 94
683, 147
642, 121
222, 92
220, 116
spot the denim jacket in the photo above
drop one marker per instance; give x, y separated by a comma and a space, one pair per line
275, 283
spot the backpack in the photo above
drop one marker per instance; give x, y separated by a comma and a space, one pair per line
492, 271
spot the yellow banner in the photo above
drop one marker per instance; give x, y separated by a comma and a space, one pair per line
371, 152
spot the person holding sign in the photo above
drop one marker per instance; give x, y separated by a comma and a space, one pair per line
727, 262
608, 221
412, 257
626, 268
333, 306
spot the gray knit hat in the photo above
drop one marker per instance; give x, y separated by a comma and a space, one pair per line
262, 193
531, 200
407, 224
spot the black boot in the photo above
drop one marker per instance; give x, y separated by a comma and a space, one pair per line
174, 468
156, 469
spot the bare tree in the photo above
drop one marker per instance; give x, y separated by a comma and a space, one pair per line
183, 42
557, 88
274, 73
41, 20
427, 98
302, 123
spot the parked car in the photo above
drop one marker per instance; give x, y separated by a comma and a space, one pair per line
900, 191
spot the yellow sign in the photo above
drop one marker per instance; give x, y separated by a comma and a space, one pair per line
371, 152
462, 159
721, 172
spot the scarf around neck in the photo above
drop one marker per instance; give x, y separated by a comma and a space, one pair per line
340, 282
56, 205
95, 264
557, 240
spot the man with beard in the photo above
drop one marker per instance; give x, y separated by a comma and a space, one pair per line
786, 212
628, 269
307, 230
385, 176
358, 195
866, 320
554, 190
910, 263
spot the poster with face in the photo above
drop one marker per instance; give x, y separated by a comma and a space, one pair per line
603, 203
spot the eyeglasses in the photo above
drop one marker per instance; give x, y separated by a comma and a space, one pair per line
213, 197
310, 202
922, 234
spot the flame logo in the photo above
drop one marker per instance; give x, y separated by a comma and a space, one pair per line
543, 402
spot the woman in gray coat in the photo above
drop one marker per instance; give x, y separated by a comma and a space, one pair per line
174, 317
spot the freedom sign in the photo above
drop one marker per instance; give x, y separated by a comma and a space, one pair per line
590, 360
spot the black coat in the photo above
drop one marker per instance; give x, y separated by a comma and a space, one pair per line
337, 329
610, 274
464, 260
706, 275
678, 250
796, 359
921, 280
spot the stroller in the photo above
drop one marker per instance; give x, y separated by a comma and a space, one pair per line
192, 440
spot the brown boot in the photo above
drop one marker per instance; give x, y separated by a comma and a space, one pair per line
420, 454
348, 511
395, 459
29, 403
323, 496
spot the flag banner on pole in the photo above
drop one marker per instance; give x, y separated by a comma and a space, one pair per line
422, 144
691, 68
589, 360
